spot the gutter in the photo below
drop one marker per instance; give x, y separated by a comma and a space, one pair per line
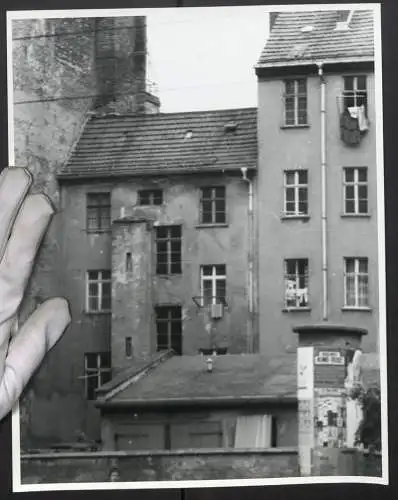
177, 403
310, 62
250, 272
65, 177
323, 196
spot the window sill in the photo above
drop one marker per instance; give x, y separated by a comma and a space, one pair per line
296, 309
95, 313
295, 217
355, 216
97, 231
168, 276
306, 125
357, 309
216, 224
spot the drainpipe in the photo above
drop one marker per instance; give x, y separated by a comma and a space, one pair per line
250, 340
323, 196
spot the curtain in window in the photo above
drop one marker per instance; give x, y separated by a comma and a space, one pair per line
253, 431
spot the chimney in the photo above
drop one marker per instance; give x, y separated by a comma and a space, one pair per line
272, 19
121, 62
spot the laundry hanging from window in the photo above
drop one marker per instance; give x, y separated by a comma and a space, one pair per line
353, 124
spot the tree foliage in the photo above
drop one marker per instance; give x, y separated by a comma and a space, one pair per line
369, 430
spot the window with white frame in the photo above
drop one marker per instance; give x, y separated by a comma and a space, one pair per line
355, 190
99, 291
213, 205
98, 210
296, 283
97, 371
356, 282
213, 281
296, 193
168, 250
355, 92
296, 101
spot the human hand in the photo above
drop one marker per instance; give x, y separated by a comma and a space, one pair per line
23, 222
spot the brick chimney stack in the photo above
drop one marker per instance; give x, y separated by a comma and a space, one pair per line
272, 18
121, 61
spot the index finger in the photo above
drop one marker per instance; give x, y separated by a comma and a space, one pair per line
14, 185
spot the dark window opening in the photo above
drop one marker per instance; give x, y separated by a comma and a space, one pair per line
168, 250
150, 197
129, 262
98, 210
97, 368
169, 328
296, 283
129, 347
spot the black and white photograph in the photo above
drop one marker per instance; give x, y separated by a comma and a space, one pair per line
205, 303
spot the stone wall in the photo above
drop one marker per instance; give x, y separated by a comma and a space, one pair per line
188, 466
159, 466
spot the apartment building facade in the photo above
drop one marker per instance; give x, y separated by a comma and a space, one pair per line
317, 176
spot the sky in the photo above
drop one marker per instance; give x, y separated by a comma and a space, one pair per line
204, 58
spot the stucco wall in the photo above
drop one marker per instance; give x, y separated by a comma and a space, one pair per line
294, 148
59, 391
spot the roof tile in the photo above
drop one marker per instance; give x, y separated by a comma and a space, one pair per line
114, 145
289, 42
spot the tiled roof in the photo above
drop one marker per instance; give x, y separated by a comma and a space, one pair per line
115, 145
234, 377
289, 42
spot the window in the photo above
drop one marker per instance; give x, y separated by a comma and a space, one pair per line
296, 283
355, 93
168, 250
356, 280
213, 205
254, 431
129, 347
129, 263
356, 190
169, 328
99, 291
213, 284
98, 212
296, 192
296, 102
97, 371
150, 197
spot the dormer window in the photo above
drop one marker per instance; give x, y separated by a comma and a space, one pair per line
344, 19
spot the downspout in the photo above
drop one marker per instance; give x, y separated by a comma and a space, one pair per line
250, 340
323, 196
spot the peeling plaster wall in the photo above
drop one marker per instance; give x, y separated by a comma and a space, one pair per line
60, 68
58, 391
294, 148
200, 246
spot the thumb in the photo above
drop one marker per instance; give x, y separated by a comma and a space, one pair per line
28, 348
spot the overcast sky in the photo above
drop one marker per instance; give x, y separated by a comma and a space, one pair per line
204, 58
